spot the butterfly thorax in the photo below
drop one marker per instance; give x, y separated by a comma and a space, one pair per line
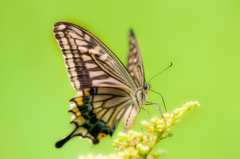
142, 94
133, 110
145, 89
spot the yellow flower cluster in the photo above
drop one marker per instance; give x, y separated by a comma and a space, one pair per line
163, 126
99, 156
138, 145
132, 144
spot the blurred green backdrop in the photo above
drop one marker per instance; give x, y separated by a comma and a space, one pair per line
200, 37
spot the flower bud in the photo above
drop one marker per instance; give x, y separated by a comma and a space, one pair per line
184, 108
150, 129
176, 111
116, 142
166, 115
170, 134
196, 104
144, 123
145, 141
100, 156
121, 147
154, 120
130, 132
139, 146
159, 126
132, 143
81, 157
177, 121
131, 150
139, 135
121, 134
121, 154
113, 156
135, 139
144, 148
90, 156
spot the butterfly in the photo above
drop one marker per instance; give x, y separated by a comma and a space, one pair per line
106, 89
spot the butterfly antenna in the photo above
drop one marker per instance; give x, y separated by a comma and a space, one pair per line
161, 72
162, 99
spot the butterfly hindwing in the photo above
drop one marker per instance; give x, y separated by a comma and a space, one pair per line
135, 65
96, 113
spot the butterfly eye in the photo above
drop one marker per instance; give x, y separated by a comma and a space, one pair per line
145, 86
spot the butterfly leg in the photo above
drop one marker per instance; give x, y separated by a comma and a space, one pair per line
160, 110
147, 112
140, 125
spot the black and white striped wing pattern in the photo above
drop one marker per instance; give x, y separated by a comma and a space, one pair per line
89, 62
105, 87
135, 65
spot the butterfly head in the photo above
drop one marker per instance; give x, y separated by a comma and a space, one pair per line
146, 87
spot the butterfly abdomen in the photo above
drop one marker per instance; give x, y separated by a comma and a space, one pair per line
130, 117
131, 114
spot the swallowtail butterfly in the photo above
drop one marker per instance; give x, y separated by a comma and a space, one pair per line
106, 89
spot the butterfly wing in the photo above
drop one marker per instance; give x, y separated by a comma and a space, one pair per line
135, 65
89, 62
96, 113
104, 86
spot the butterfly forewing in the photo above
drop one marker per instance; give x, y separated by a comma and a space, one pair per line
135, 65
89, 62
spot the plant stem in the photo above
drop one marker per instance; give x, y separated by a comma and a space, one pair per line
159, 134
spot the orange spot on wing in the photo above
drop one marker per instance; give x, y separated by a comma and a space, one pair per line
94, 111
101, 136
86, 91
77, 112
79, 101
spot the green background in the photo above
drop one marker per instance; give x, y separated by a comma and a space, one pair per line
200, 37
